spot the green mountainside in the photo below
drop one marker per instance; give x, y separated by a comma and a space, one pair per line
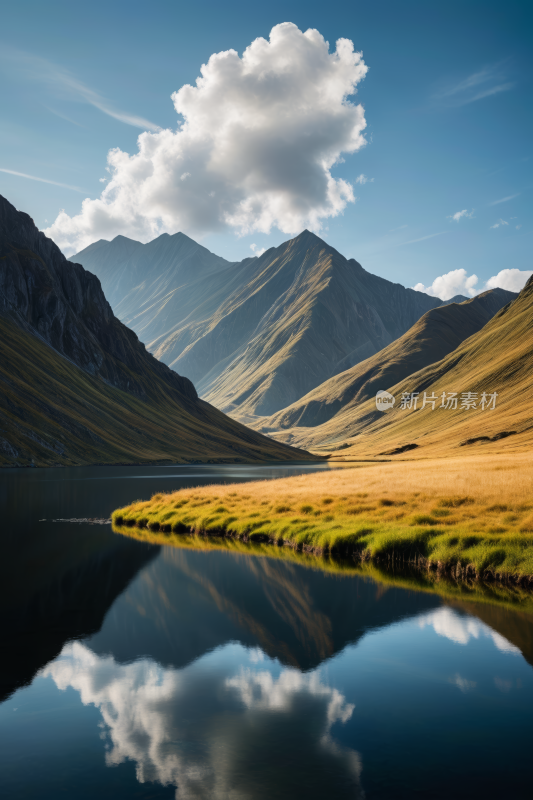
77, 386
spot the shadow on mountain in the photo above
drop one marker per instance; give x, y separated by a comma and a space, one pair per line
56, 587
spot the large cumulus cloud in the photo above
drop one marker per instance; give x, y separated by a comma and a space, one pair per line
258, 138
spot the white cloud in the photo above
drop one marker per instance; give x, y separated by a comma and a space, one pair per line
259, 136
362, 179
518, 227
255, 251
459, 282
459, 214
173, 724
63, 83
484, 83
448, 623
513, 280
447, 286
499, 224
41, 180
503, 199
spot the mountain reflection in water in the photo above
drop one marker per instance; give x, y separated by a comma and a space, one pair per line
207, 673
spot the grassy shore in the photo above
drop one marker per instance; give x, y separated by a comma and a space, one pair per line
512, 596
464, 516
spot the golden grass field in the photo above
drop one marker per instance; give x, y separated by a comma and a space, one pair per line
471, 516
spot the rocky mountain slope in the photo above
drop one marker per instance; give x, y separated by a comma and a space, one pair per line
498, 359
437, 333
78, 386
257, 335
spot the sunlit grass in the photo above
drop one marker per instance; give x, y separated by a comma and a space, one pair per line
463, 512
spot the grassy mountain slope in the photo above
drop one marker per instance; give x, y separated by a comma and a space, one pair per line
437, 333
52, 412
499, 358
77, 385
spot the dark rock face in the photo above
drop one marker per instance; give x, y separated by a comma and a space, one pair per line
65, 306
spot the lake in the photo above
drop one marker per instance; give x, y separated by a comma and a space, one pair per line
132, 670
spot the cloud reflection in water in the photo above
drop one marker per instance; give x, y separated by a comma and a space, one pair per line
459, 629
214, 730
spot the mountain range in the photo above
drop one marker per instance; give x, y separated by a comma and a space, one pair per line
497, 360
79, 387
256, 335
436, 334
295, 343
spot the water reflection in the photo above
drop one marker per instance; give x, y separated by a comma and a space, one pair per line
187, 603
446, 622
223, 674
215, 731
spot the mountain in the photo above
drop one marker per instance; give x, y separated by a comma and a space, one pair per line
498, 359
257, 335
134, 274
437, 333
78, 386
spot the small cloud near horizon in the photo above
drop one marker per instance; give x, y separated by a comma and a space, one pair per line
362, 179
457, 281
499, 224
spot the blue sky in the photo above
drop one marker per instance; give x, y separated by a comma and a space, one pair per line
447, 103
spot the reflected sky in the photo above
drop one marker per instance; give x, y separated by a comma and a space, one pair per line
461, 630
223, 727
131, 670
236, 723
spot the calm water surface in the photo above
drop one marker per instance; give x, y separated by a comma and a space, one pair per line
136, 671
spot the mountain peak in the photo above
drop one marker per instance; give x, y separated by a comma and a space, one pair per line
307, 235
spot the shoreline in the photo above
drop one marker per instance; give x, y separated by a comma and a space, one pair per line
466, 573
463, 517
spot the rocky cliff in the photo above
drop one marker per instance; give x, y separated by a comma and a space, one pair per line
64, 305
